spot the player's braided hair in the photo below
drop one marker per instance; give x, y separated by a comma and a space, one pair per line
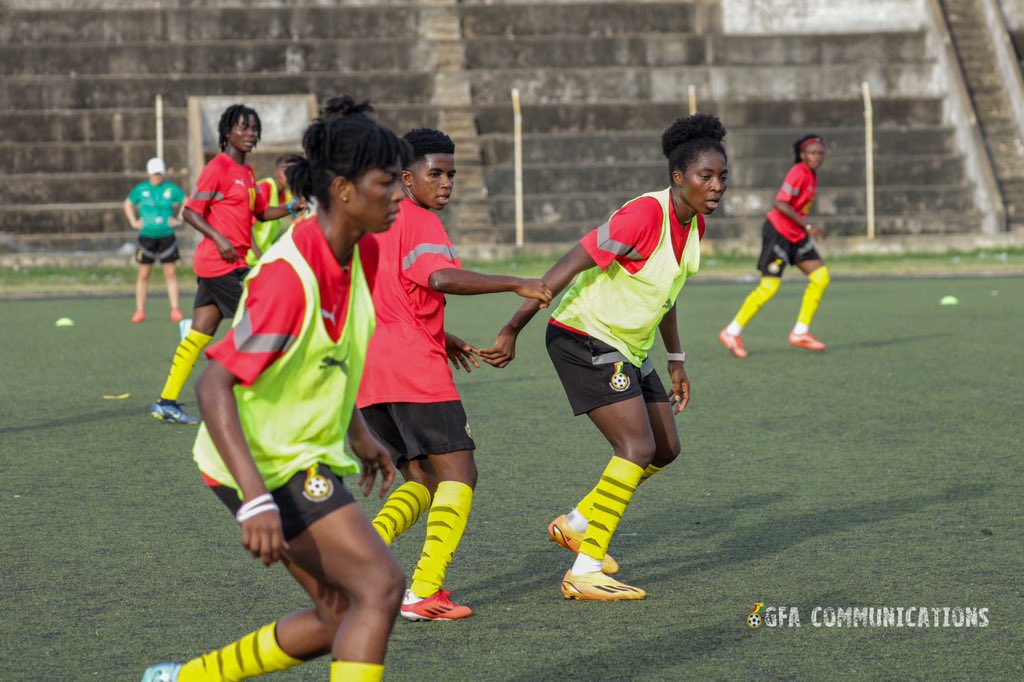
343, 142
799, 145
287, 159
230, 117
428, 141
689, 137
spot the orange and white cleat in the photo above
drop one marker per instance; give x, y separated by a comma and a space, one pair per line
807, 341
598, 587
560, 532
139, 316
732, 343
438, 606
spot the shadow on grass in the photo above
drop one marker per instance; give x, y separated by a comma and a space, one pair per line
70, 421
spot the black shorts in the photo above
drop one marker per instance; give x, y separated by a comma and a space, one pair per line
223, 292
306, 497
594, 374
153, 249
777, 251
411, 430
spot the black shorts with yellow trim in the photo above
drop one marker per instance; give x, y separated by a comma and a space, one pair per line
307, 497
777, 251
224, 291
412, 430
153, 249
594, 374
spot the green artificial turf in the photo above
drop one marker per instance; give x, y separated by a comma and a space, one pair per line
884, 472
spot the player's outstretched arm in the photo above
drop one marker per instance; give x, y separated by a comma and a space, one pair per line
262, 532
557, 278
467, 282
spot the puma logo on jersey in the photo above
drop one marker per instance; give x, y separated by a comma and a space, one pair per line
333, 362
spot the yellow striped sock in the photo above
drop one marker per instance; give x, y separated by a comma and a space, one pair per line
350, 671
586, 505
402, 510
445, 524
615, 490
817, 282
258, 653
648, 472
184, 360
764, 292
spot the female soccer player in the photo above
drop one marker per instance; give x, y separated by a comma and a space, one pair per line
413, 405
275, 188
153, 208
631, 269
787, 236
277, 399
222, 209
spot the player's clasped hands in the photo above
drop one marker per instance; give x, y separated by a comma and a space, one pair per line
460, 353
536, 289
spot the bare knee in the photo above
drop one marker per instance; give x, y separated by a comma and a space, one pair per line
667, 454
640, 452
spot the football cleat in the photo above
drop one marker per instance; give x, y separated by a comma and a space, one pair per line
172, 413
176, 315
139, 316
807, 341
732, 343
164, 672
598, 587
439, 606
561, 532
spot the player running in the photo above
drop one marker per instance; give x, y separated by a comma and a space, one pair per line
787, 236
222, 209
408, 396
630, 271
277, 399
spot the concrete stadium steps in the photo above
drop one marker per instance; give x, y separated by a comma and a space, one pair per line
736, 83
97, 157
56, 92
750, 203
626, 115
74, 126
578, 19
657, 50
214, 57
198, 22
809, 50
743, 173
64, 218
749, 228
740, 143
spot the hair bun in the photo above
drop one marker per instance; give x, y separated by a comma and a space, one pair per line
693, 127
345, 105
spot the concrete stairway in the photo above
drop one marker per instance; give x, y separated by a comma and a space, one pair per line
600, 83
77, 89
973, 43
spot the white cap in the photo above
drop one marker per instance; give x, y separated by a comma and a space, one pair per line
155, 166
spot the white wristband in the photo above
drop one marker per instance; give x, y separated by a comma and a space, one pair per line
249, 513
250, 505
676, 357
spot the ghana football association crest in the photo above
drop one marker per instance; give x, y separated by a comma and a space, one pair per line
317, 487
619, 381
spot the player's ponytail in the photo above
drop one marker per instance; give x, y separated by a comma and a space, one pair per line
300, 177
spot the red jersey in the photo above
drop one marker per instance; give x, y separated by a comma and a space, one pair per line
798, 190
406, 361
275, 303
632, 234
227, 197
